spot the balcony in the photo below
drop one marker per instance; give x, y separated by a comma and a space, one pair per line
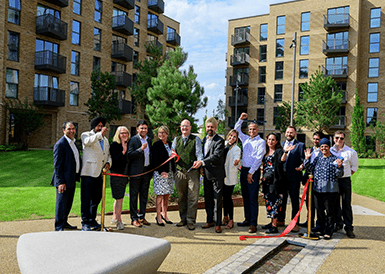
155, 25
121, 51
337, 21
242, 101
335, 46
47, 96
123, 24
154, 43
125, 107
122, 78
50, 61
51, 26
240, 39
60, 3
156, 5
341, 122
344, 96
173, 38
242, 79
239, 59
128, 4
232, 120
335, 71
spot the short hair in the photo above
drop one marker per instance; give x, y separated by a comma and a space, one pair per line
213, 121
66, 123
293, 127
232, 131
141, 122
165, 129
117, 133
339, 132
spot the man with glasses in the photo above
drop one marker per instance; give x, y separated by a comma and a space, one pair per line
350, 165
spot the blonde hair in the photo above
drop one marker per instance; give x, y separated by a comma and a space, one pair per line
232, 131
213, 121
116, 136
165, 129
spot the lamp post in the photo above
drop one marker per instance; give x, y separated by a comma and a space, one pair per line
264, 114
236, 101
293, 45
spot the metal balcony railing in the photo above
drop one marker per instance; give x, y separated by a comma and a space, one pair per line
122, 78
60, 3
128, 4
154, 42
156, 5
242, 101
336, 71
121, 51
341, 122
239, 59
50, 61
335, 46
155, 25
242, 79
241, 38
47, 96
123, 24
125, 107
334, 21
51, 26
173, 38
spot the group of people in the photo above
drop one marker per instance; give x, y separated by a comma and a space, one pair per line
136, 160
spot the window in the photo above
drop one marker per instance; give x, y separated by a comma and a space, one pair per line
374, 42
75, 61
262, 75
152, 20
338, 40
278, 70
241, 75
276, 115
278, 93
370, 143
337, 65
118, 12
280, 48
375, 18
77, 7
117, 67
371, 116
135, 58
303, 68
13, 46
281, 24
45, 45
261, 96
171, 34
43, 83
304, 48
41, 9
74, 94
260, 115
75, 32
137, 15
98, 11
96, 63
342, 88
97, 39
305, 21
263, 32
119, 39
14, 9
241, 50
372, 92
136, 37
300, 93
262, 53
338, 15
374, 65
12, 82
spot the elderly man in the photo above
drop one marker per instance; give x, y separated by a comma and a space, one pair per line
189, 149
96, 156
65, 175
350, 165
254, 149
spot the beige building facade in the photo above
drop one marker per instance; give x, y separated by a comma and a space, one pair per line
345, 39
50, 48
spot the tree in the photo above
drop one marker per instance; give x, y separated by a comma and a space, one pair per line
357, 132
320, 103
220, 114
175, 95
26, 119
103, 101
378, 134
283, 117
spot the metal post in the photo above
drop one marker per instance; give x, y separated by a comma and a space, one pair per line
264, 115
236, 101
293, 45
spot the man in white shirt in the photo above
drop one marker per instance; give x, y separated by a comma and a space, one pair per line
350, 164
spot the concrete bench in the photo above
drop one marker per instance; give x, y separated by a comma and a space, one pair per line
89, 252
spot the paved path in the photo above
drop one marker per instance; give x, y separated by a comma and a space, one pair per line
201, 250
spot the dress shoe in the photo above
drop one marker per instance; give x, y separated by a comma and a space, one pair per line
158, 223
136, 223
244, 223
350, 234
95, 226
280, 223
230, 224
218, 229
268, 226
252, 229
144, 222
181, 223
337, 228
272, 230
68, 226
208, 225
191, 226
167, 221
86, 228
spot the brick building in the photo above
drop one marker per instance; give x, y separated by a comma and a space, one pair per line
50, 48
345, 38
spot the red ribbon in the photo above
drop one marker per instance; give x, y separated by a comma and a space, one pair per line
173, 155
292, 223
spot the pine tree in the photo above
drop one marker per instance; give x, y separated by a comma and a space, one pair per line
357, 131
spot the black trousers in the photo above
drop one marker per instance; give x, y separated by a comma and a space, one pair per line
326, 210
63, 207
139, 187
250, 194
213, 200
344, 215
292, 189
228, 206
90, 195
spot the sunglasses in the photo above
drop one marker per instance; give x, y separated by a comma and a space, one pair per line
339, 138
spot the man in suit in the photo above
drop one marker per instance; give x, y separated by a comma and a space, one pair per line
293, 168
96, 156
65, 175
213, 169
139, 153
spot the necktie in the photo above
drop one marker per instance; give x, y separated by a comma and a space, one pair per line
101, 142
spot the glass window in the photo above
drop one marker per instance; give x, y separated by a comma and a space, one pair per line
96, 63
42, 80
370, 143
77, 7
374, 42
281, 24
13, 46
338, 40
263, 32
262, 53
117, 12
280, 48
261, 95
98, 11
338, 15
372, 92
152, 20
137, 15
14, 9
375, 18
303, 68
135, 58
12, 82
337, 65
304, 49
115, 66
75, 61
276, 115
241, 50
300, 92
371, 116
41, 9
170, 33
305, 21
136, 37
260, 115
278, 93
262, 75
97, 39
278, 70
45, 45
374, 66
75, 32
74, 94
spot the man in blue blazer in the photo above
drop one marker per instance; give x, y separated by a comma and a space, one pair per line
66, 172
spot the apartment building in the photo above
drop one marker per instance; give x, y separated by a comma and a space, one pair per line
51, 47
346, 39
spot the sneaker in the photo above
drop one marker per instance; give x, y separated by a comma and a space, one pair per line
272, 230
113, 221
119, 226
350, 234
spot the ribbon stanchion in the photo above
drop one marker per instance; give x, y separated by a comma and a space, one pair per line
309, 235
102, 228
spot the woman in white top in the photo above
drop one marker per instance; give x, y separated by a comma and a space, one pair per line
233, 156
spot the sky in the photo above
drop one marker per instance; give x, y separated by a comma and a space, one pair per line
204, 34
